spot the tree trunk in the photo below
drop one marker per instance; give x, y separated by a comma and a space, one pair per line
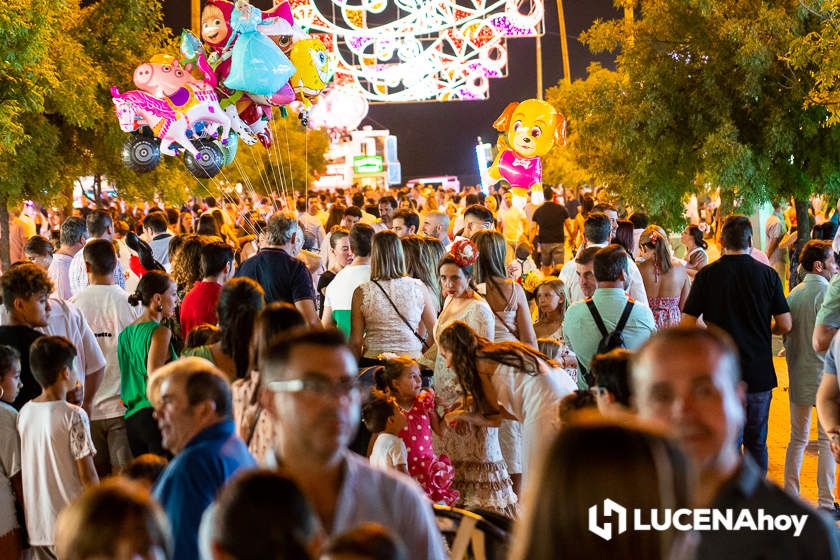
5, 246
803, 222
97, 190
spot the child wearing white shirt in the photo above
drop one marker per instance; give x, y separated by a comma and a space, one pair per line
383, 416
56, 446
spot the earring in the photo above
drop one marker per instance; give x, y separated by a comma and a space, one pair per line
2, 392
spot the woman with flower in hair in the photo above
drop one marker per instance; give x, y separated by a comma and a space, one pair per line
481, 476
666, 280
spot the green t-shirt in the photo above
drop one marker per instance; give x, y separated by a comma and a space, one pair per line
133, 347
199, 352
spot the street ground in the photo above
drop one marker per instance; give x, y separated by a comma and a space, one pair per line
778, 435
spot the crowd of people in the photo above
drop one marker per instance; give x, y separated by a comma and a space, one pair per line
322, 376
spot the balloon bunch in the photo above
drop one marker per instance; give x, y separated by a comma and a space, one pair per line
203, 104
262, 61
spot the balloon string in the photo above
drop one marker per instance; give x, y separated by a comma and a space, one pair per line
279, 157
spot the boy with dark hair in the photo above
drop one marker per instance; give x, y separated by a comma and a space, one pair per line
105, 308
56, 446
157, 236
199, 305
26, 289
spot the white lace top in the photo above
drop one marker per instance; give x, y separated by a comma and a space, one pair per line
384, 330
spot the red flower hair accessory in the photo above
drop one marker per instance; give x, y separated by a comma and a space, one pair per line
464, 252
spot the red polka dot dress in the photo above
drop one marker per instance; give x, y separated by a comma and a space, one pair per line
434, 473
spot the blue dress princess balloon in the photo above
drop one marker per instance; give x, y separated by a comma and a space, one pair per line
258, 65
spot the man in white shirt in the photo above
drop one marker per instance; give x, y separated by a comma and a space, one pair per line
156, 233
310, 392
311, 222
99, 226
105, 307
73, 237
339, 294
596, 233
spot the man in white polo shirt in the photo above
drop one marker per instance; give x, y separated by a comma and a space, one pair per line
339, 296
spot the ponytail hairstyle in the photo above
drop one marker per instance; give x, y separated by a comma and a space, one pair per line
696, 234
239, 304
152, 283
655, 238
466, 347
385, 376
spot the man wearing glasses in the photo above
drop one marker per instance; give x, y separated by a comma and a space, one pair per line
312, 397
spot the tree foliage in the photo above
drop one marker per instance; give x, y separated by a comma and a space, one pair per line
818, 54
702, 96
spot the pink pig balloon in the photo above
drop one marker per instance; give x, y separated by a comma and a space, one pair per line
162, 76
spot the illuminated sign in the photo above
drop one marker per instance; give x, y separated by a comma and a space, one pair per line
367, 164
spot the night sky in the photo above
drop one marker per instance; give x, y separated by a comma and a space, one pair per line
439, 138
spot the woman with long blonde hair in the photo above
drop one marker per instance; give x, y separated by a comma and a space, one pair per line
393, 313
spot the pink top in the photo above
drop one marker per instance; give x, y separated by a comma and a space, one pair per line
518, 171
759, 256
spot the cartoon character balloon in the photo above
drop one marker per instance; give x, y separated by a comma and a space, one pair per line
258, 65
172, 110
314, 71
531, 128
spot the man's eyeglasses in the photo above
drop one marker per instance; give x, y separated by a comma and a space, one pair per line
320, 386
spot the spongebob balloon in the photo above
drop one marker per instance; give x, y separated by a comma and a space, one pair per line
314, 71
531, 129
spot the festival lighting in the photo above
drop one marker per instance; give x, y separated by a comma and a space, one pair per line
419, 50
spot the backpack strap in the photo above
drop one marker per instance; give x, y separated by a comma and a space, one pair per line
625, 315
599, 322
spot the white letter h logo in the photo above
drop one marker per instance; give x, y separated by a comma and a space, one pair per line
605, 531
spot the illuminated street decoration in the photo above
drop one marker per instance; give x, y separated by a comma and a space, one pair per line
342, 108
419, 50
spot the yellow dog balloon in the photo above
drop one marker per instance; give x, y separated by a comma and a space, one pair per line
531, 129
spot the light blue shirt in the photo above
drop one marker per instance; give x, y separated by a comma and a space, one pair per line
582, 333
829, 314
804, 364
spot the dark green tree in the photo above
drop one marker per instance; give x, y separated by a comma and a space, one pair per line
703, 97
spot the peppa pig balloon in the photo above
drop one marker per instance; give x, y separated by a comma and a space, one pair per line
178, 109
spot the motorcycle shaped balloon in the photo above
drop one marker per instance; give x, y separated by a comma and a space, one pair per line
172, 110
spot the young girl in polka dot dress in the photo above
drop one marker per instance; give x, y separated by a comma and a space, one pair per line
401, 379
